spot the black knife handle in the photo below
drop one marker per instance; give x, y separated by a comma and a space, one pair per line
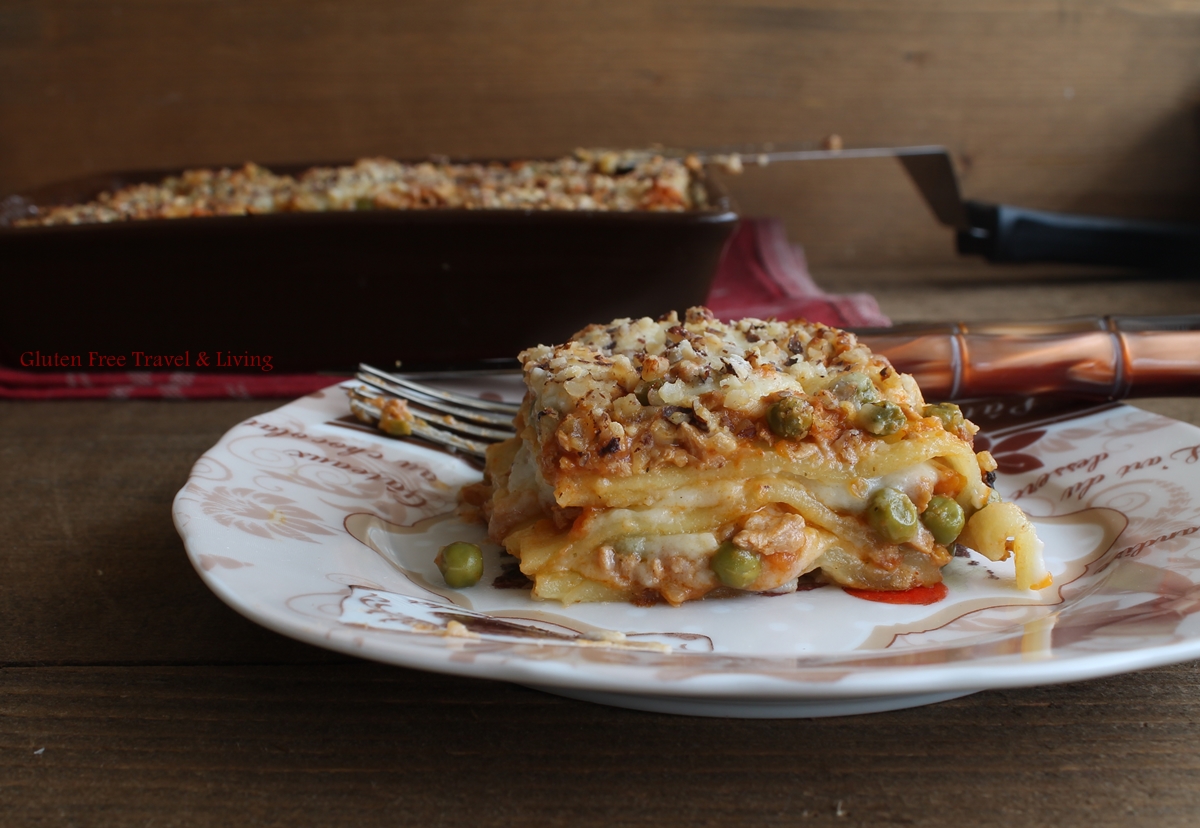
1001, 233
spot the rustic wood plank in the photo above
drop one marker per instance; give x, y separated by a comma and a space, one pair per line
91, 568
1087, 105
369, 744
913, 294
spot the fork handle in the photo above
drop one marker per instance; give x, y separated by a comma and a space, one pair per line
1109, 357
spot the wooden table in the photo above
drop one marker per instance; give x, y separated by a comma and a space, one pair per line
131, 695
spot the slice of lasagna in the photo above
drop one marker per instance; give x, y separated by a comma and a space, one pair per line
670, 458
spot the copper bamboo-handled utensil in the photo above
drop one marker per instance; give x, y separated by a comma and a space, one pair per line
1109, 357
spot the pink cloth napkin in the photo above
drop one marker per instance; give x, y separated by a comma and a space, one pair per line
761, 275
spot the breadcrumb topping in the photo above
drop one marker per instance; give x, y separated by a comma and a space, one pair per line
588, 180
638, 394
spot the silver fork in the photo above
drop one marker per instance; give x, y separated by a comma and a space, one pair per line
458, 422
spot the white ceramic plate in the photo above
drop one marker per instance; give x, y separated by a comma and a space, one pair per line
327, 533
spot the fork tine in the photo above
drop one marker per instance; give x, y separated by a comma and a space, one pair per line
426, 392
422, 428
438, 420
493, 435
486, 418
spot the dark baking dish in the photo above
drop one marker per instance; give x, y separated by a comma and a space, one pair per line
323, 291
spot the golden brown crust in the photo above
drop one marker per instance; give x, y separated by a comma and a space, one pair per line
637, 395
589, 180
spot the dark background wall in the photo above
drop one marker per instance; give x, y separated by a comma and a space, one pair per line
1086, 105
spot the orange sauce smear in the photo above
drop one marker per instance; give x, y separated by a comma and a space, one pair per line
922, 595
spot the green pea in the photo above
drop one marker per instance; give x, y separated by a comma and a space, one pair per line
735, 567
944, 518
855, 386
893, 515
790, 417
949, 413
461, 564
881, 418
